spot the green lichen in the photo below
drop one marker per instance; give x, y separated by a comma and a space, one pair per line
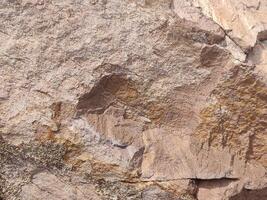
18, 163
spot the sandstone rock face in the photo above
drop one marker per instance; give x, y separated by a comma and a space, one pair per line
244, 21
137, 100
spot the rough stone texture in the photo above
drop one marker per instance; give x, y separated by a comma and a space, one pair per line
134, 100
243, 20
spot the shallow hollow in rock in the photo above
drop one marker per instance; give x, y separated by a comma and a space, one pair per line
108, 89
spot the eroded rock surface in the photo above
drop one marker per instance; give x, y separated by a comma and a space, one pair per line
146, 99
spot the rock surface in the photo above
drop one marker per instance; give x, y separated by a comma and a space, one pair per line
146, 99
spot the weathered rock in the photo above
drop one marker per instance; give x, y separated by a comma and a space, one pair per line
147, 99
45, 185
243, 20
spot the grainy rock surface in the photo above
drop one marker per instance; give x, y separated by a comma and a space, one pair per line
133, 99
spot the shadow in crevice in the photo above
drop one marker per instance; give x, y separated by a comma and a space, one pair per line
251, 195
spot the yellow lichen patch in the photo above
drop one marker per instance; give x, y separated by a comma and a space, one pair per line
238, 119
45, 134
155, 111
